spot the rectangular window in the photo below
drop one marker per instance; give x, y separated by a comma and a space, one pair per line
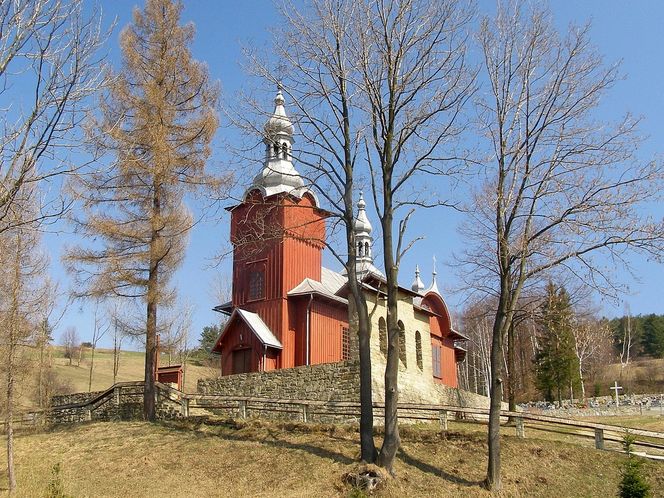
256, 284
435, 353
345, 343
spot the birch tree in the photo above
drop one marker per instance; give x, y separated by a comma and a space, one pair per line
155, 125
562, 191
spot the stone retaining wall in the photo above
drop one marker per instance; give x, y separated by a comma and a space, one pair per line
330, 382
326, 382
69, 399
124, 403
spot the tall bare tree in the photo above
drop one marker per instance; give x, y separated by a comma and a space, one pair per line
562, 189
379, 83
49, 67
156, 122
415, 83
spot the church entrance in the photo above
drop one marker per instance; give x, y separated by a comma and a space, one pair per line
242, 361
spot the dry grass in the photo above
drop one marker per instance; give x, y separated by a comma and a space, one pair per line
268, 459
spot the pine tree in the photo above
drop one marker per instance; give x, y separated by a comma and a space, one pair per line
653, 335
556, 361
156, 122
633, 484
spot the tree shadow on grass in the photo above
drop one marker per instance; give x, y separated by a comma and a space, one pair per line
270, 437
430, 469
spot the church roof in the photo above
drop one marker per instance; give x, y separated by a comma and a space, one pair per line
331, 279
257, 326
310, 286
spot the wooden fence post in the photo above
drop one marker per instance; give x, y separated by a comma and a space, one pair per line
116, 392
305, 413
599, 439
442, 417
88, 414
242, 408
184, 404
520, 432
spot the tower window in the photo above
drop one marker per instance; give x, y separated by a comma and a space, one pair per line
359, 248
366, 249
256, 284
345, 343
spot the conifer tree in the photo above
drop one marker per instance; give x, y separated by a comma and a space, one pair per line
556, 360
156, 122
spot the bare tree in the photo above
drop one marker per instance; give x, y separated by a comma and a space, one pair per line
71, 343
626, 345
48, 67
379, 83
561, 189
156, 124
415, 83
99, 330
590, 339
22, 269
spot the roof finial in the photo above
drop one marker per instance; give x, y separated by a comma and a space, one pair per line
434, 285
418, 285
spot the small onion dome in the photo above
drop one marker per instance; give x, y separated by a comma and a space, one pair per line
279, 124
418, 285
362, 224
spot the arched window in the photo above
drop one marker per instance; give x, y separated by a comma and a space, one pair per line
418, 349
402, 343
359, 249
382, 335
275, 148
366, 249
284, 148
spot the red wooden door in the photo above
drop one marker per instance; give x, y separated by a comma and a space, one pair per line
242, 361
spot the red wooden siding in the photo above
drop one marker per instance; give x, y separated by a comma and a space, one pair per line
327, 321
440, 328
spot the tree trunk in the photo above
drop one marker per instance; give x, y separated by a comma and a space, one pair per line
392, 440
92, 365
10, 415
511, 367
149, 409
493, 481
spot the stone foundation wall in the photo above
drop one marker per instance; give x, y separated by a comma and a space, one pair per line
125, 403
326, 382
70, 399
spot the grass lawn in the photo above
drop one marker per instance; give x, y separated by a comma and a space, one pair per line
268, 459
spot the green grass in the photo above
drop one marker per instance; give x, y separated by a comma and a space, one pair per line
269, 459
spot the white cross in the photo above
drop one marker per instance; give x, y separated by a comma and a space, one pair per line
616, 388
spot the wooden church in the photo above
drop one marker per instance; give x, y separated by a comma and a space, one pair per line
288, 310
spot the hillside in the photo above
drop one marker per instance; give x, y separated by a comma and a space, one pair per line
132, 367
262, 460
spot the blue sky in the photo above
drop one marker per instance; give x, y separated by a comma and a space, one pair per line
630, 32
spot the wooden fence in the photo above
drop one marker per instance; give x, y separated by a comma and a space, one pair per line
172, 403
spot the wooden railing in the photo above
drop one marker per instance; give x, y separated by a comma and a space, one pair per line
311, 410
